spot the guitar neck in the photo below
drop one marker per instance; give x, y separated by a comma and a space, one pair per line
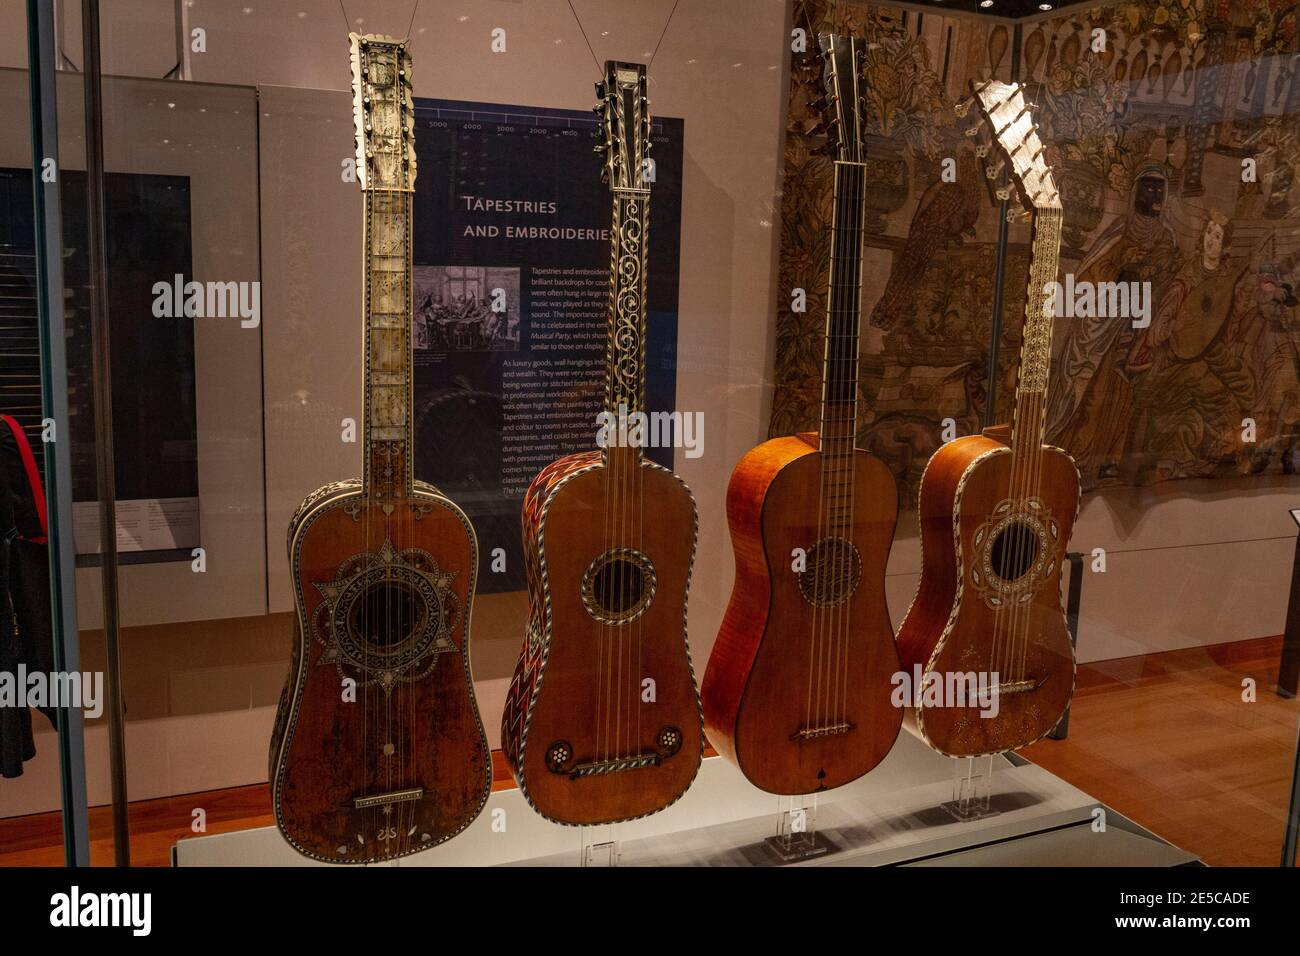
1036, 347
387, 385
383, 114
625, 113
840, 367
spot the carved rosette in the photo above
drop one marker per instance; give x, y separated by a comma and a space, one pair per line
1028, 513
406, 597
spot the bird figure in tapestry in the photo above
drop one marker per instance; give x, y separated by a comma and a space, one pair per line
946, 213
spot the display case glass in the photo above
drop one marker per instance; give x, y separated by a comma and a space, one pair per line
651, 477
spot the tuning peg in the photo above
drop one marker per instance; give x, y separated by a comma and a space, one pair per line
1012, 215
973, 131
1003, 193
981, 150
962, 108
994, 170
1026, 215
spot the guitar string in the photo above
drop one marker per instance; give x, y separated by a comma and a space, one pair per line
834, 453
842, 552
643, 296
601, 691
407, 725
845, 574
840, 445
1048, 223
1004, 616
1032, 330
367, 816
611, 402
855, 347
1002, 619
999, 618
832, 440
1032, 444
347, 23
1026, 455
619, 464
814, 662
600, 69
1022, 588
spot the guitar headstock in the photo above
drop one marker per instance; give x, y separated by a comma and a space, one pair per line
844, 108
624, 110
383, 112
1011, 120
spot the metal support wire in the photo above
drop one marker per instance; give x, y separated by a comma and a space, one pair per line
102, 350
54, 405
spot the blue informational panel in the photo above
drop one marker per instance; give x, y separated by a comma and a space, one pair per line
511, 253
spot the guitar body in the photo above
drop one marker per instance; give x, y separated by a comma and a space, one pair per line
782, 667
581, 738
959, 622
383, 598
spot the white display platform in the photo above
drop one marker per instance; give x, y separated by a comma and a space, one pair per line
892, 815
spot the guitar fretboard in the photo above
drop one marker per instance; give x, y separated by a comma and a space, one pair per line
388, 343
839, 416
382, 110
625, 114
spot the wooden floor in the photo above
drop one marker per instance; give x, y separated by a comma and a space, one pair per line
1165, 739
1168, 741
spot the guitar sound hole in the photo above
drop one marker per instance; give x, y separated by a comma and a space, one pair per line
386, 614
831, 575
1014, 551
618, 586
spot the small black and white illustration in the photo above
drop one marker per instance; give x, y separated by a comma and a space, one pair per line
466, 308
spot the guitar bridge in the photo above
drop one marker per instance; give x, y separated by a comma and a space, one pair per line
822, 730
387, 799
1017, 687
597, 768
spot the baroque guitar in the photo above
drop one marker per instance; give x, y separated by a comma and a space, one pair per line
378, 749
996, 513
797, 689
602, 719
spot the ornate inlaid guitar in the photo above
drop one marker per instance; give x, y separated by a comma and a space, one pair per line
602, 720
797, 691
996, 513
378, 749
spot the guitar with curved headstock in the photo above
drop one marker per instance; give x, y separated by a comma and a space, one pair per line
996, 514
797, 690
378, 750
602, 719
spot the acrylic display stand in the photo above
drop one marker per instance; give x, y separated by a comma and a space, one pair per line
1288, 671
893, 815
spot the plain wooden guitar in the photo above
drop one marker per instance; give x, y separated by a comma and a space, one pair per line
602, 719
378, 749
996, 511
797, 689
